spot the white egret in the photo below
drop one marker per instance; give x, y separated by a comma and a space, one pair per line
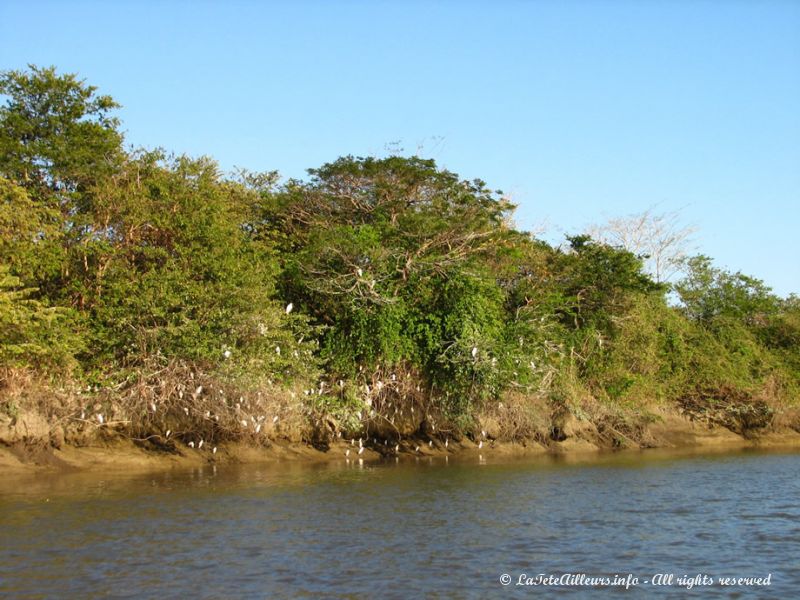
289, 308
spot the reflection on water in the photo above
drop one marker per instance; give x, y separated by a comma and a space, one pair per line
407, 529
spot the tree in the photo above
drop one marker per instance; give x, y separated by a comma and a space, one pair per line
32, 333
56, 134
708, 293
659, 239
599, 281
363, 227
172, 271
58, 141
392, 257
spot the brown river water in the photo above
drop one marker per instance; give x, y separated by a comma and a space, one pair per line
634, 524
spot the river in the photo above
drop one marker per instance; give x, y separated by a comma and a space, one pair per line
410, 529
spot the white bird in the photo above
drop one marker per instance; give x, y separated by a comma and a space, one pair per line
214, 451
199, 390
289, 308
153, 406
186, 410
168, 432
483, 433
200, 445
258, 427
278, 350
361, 450
416, 449
275, 419
244, 423
359, 272
397, 448
474, 351
430, 444
480, 444
446, 443
191, 444
227, 354
347, 453
100, 419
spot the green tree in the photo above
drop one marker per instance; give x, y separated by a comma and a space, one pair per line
56, 134
32, 334
390, 255
708, 293
175, 274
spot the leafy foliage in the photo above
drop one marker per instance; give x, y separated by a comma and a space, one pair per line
387, 281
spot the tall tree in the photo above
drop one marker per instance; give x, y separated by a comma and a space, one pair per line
57, 135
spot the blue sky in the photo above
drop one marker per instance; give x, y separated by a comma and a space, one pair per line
581, 110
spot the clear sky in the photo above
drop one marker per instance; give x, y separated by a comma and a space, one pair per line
581, 110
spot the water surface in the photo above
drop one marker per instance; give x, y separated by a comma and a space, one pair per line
417, 528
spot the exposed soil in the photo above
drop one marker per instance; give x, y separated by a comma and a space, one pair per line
28, 445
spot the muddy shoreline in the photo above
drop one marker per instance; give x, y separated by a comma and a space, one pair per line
27, 454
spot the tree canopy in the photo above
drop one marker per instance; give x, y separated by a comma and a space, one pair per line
388, 280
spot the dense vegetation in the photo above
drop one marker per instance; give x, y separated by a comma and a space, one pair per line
382, 295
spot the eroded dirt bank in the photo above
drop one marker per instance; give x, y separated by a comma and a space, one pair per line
28, 445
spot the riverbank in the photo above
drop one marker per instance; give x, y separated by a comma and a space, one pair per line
28, 447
